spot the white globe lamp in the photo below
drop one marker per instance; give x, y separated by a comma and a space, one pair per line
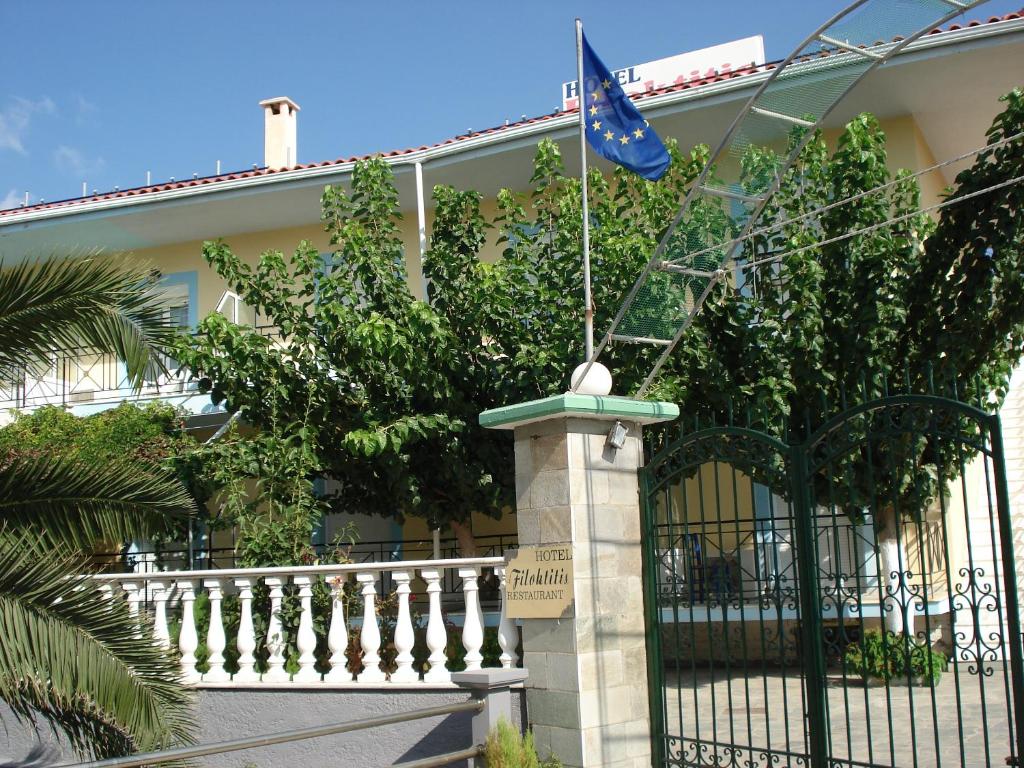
597, 382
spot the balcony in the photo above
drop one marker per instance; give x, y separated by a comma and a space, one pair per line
83, 378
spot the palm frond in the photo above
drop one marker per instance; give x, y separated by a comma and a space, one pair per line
103, 305
78, 658
69, 501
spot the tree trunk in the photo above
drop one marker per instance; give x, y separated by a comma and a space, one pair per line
464, 536
892, 556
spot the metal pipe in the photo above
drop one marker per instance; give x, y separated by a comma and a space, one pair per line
445, 759
849, 48
421, 221
588, 305
220, 747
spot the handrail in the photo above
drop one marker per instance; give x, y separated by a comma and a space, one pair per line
303, 570
186, 753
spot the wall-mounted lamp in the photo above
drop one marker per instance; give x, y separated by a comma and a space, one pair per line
617, 435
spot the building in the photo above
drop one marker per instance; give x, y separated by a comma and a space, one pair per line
935, 100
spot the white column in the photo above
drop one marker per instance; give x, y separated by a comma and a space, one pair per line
275, 635
369, 637
306, 640
437, 636
405, 638
132, 596
507, 633
160, 594
246, 640
215, 640
472, 627
337, 635
188, 640
421, 227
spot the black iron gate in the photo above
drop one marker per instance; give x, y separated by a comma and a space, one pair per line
844, 599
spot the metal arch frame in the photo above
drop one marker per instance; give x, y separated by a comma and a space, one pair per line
877, 58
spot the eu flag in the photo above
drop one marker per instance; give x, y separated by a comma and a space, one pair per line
615, 129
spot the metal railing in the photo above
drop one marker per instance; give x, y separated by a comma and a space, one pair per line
474, 705
81, 375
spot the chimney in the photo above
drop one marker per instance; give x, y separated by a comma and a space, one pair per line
279, 133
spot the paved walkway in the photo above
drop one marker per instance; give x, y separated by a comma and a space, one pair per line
899, 727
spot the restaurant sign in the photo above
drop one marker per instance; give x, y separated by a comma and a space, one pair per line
538, 583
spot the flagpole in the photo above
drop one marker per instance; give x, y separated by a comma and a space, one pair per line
588, 322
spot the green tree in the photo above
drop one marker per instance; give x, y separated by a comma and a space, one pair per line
390, 387
69, 653
395, 385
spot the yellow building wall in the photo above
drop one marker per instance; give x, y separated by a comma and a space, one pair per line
907, 149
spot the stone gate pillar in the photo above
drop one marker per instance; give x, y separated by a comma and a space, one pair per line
587, 687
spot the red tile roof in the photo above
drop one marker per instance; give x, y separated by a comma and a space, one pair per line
207, 180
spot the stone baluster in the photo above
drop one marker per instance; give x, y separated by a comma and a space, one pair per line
507, 633
337, 635
132, 595
404, 636
160, 593
246, 640
369, 637
437, 635
275, 634
306, 640
188, 640
215, 640
472, 627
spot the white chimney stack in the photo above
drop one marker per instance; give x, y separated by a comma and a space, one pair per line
279, 133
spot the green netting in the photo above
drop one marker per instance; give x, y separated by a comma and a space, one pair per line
807, 89
879, 21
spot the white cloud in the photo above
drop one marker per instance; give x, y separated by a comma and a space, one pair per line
73, 161
11, 200
16, 118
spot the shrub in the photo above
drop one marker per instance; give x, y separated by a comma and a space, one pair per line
507, 748
891, 656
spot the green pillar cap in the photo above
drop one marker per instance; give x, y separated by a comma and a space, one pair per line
601, 407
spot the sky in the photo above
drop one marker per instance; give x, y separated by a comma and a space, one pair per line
103, 91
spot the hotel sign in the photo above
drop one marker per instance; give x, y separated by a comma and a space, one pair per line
538, 583
677, 70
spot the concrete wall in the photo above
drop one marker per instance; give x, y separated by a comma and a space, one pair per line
234, 714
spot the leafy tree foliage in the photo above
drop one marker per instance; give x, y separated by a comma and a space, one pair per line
390, 387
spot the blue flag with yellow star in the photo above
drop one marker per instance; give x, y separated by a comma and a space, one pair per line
615, 129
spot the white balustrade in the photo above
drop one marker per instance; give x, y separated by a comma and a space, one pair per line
171, 599
472, 627
132, 596
369, 637
188, 639
160, 593
405, 638
215, 639
306, 640
275, 635
507, 633
337, 635
437, 635
246, 640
